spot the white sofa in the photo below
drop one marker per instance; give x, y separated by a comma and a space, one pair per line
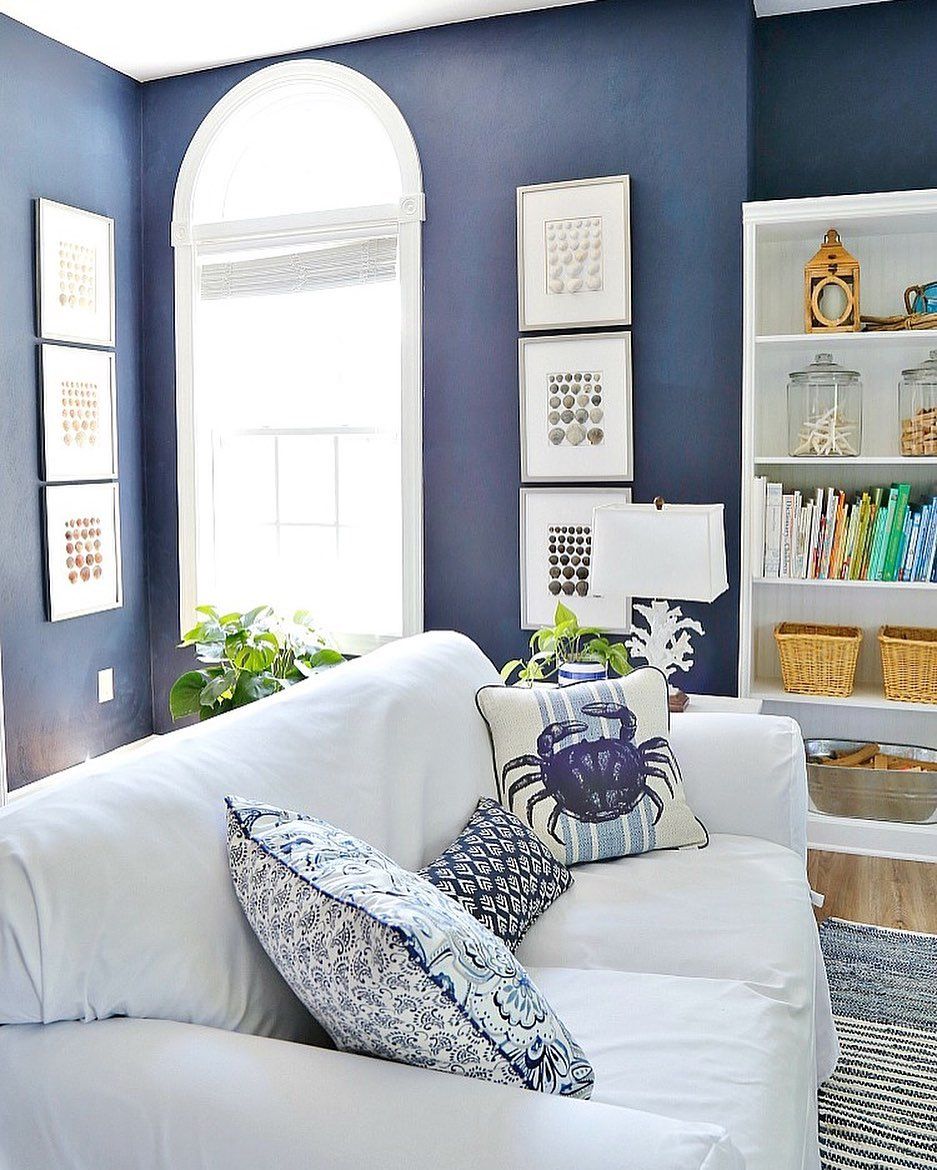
167, 1041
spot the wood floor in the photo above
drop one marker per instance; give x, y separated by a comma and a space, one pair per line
880, 890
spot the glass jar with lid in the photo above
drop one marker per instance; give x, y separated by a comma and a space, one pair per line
917, 408
824, 410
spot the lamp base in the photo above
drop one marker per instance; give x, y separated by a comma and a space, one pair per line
664, 643
677, 700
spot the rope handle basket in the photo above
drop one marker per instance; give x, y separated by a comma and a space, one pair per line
818, 660
909, 663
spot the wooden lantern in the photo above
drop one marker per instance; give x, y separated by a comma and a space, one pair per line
832, 266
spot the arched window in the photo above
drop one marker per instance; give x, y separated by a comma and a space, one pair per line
296, 229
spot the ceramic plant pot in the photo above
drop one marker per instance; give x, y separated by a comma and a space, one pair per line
576, 672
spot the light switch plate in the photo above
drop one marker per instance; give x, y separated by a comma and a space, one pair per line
106, 685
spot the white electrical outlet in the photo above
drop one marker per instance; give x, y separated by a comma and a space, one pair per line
106, 685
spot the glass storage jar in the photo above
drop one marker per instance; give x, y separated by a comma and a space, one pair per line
824, 410
917, 408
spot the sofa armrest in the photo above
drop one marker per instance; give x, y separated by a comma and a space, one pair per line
124, 1094
745, 774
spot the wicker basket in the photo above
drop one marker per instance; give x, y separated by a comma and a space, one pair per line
909, 663
818, 660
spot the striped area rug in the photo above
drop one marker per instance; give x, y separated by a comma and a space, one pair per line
879, 1109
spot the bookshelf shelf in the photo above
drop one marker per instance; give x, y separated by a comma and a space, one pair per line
905, 462
888, 233
897, 586
868, 697
896, 337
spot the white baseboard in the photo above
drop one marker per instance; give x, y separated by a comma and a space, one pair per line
872, 838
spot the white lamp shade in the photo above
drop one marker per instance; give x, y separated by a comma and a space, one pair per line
677, 552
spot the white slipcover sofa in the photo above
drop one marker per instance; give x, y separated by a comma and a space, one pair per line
145, 1029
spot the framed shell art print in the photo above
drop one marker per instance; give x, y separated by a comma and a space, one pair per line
575, 407
75, 275
79, 417
574, 254
556, 557
82, 549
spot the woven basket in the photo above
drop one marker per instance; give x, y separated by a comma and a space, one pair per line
909, 663
818, 660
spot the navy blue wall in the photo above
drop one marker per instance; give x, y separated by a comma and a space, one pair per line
844, 101
69, 130
660, 91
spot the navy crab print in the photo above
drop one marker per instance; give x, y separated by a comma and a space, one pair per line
591, 780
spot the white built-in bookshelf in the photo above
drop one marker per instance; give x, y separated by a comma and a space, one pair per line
894, 237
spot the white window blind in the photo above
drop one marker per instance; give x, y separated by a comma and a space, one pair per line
366, 261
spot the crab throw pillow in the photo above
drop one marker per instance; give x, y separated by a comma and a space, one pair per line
589, 767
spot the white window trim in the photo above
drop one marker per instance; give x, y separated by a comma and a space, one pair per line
4, 791
189, 240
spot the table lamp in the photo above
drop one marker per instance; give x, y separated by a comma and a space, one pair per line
658, 551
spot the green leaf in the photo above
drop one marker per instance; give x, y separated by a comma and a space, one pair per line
184, 694
563, 614
220, 687
509, 667
253, 614
218, 709
325, 657
251, 687
618, 659
251, 652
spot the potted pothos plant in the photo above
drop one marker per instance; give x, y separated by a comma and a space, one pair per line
566, 643
246, 657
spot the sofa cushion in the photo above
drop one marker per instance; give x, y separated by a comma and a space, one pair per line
156, 1095
737, 910
589, 766
390, 965
500, 871
115, 895
699, 1049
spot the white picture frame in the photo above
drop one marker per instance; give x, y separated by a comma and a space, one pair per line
575, 408
574, 254
79, 413
541, 510
75, 281
76, 516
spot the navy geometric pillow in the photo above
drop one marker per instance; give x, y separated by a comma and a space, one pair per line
500, 872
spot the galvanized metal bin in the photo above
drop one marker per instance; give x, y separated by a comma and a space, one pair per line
872, 794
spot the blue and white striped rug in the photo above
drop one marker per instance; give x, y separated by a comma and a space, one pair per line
879, 1109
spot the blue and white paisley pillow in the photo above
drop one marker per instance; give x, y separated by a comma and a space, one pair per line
388, 964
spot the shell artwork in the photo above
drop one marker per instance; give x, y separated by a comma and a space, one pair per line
84, 557
77, 264
574, 255
569, 555
79, 413
579, 394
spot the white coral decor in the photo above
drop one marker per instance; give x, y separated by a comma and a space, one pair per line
666, 641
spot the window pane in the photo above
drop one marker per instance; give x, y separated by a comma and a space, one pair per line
307, 479
370, 581
243, 553
366, 465
329, 358
308, 572
315, 150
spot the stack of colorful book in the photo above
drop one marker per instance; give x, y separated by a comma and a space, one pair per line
881, 534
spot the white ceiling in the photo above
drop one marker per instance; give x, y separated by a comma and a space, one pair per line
147, 40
